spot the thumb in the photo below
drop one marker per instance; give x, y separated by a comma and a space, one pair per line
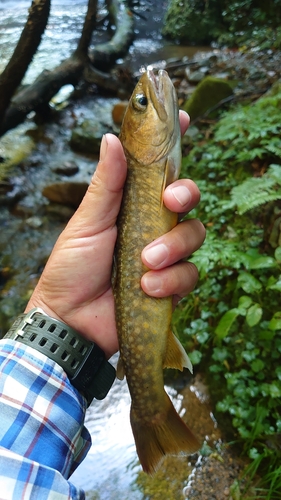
101, 203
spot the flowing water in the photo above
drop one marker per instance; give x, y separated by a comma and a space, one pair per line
111, 465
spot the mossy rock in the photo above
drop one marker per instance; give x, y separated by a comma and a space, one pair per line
207, 94
87, 136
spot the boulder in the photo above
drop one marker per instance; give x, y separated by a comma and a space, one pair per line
207, 94
66, 193
118, 112
67, 168
86, 137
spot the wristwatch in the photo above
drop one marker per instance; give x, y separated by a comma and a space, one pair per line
83, 361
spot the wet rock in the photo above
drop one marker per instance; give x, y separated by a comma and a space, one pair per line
12, 196
118, 112
66, 193
34, 222
60, 212
207, 94
5, 187
22, 210
67, 168
87, 137
195, 76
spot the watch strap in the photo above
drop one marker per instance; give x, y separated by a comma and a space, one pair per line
83, 361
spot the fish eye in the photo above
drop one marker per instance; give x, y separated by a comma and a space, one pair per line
140, 102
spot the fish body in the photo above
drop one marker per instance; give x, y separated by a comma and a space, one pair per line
150, 135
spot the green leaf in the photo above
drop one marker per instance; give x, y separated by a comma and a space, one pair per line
220, 354
248, 282
226, 322
277, 254
261, 262
244, 301
275, 322
257, 365
275, 390
195, 357
254, 315
253, 453
278, 372
273, 284
202, 337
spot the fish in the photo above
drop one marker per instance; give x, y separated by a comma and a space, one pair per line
151, 139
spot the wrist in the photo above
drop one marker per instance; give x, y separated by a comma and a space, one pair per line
82, 360
35, 302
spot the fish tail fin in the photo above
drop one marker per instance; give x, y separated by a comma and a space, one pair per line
166, 434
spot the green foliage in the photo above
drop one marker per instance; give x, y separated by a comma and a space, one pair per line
232, 321
256, 191
190, 21
242, 22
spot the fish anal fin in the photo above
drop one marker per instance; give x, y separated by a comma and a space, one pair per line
120, 370
168, 435
176, 357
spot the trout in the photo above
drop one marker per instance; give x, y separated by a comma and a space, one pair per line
150, 135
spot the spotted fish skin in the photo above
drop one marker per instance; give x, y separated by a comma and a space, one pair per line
150, 136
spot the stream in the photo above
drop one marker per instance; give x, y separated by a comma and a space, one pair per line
29, 231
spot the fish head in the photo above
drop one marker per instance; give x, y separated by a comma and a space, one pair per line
150, 129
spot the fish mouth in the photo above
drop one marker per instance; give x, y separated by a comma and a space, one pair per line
161, 92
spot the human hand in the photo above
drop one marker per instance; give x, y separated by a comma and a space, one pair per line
75, 285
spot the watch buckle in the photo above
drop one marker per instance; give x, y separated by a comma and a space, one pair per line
19, 326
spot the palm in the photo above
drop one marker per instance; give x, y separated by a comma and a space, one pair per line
90, 305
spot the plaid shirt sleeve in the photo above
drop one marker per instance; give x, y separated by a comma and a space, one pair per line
42, 436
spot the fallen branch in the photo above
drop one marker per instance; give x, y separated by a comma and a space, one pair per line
36, 97
26, 47
105, 54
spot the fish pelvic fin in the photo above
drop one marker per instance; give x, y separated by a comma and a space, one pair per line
166, 434
176, 356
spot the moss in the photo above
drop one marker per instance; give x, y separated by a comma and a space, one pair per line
168, 482
207, 94
15, 146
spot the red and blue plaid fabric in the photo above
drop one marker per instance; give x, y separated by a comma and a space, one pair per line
42, 433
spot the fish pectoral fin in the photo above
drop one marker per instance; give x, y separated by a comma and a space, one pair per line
176, 356
170, 175
114, 272
120, 370
172, 171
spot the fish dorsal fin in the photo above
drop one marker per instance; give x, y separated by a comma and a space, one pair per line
120, 370
176, 356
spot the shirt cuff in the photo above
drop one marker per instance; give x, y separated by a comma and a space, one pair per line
42, 414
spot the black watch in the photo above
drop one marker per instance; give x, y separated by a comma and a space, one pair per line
83, 361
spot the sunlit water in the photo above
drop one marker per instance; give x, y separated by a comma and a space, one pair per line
111, 464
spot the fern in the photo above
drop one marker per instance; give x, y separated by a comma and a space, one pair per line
256, 191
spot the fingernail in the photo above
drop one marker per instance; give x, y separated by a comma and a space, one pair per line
103, 147
152, 282
156, 255
182, 194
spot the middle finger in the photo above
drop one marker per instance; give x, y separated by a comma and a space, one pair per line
177, 244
